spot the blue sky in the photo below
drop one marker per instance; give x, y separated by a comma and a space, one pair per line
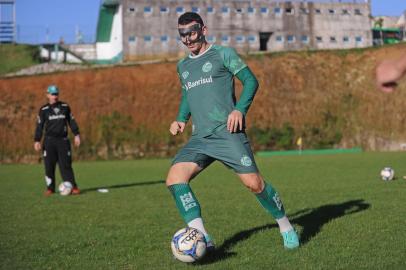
49, 20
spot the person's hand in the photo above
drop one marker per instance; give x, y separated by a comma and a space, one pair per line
37, 146
387, 74
234, 121
77, 140
177, 127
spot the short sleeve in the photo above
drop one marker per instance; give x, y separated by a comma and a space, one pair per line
232, 60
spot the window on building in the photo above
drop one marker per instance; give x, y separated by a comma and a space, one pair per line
279, 38
291, 38
180, 10
304, 39
357, 12
333, 39
264, 10
289, 11
211, 39
331, 11
252, 39
239, 39
345, 12
346, 39
164, 38
317, 11
277, 10
131, 9
225, 39
319, 39
304, 11
225, 10
148, 10
164, 10
251, 10
196, 9
210, 9
131, 39
239, 10
358, 39
147, 38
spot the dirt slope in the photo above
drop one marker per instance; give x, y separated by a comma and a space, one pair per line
299, 88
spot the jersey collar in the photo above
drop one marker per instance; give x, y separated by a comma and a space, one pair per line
197, 56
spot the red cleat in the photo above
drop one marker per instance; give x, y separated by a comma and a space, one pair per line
48, 192
75, 191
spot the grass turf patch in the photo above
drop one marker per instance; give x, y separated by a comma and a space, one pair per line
347, 217
14, 57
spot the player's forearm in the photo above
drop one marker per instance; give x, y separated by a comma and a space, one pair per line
74, 127
184, 111
38, 134
250, 86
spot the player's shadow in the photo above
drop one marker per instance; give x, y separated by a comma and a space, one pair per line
311, 221
157, 182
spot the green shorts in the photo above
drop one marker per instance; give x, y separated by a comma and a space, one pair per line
232, 149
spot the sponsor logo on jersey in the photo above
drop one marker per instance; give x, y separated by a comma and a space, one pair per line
54, 117
246, 161
187, 201
207, 67
185, 74
201, 81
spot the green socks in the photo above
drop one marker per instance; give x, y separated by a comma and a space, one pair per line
188, 206
271, 201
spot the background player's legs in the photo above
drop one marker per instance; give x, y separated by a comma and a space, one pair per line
65, 161
177, 182
50, 155
270, 200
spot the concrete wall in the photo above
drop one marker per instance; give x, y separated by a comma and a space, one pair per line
150, 26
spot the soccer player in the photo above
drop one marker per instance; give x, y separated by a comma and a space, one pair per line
389, 72
207, 79
55, 116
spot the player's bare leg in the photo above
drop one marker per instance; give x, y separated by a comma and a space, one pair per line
270, 200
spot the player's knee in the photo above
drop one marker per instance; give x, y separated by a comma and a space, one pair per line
255, 184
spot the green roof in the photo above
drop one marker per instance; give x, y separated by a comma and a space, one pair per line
386, 29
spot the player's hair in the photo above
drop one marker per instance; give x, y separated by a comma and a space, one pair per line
189, 17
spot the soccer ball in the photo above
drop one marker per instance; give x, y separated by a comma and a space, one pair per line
65, 188
387, 174
188, 245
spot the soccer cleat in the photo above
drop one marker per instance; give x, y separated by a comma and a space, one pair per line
75, 191
209, 243
290, 239
48, 192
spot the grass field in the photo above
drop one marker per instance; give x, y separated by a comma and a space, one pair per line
347, 217
15, 57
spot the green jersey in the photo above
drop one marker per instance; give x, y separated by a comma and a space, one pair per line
208, 88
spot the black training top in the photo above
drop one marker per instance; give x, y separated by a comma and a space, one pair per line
55, 118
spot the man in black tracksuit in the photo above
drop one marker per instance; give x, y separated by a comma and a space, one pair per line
55, 117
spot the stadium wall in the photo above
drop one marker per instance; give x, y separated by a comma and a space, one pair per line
150, 27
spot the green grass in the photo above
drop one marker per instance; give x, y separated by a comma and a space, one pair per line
347, 217
15, 57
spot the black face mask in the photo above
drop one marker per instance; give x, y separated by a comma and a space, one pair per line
187, 33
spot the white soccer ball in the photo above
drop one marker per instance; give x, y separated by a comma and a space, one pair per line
387, 174
65, 188
188, 245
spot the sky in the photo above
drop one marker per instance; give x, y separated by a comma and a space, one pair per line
40, 21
